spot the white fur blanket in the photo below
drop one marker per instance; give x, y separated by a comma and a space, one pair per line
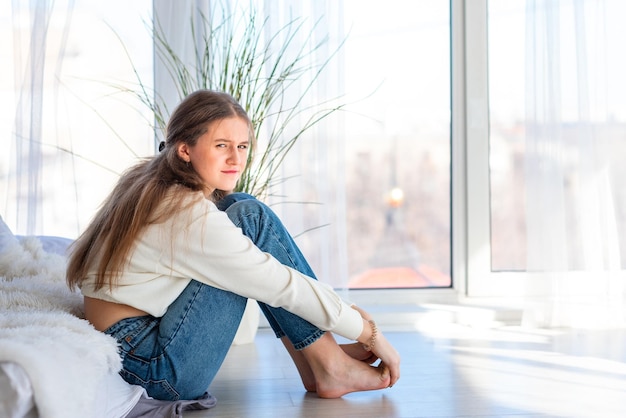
65, 358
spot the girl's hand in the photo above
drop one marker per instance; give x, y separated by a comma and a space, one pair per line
382, 349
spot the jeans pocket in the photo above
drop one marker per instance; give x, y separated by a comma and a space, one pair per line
131, 332
157, 389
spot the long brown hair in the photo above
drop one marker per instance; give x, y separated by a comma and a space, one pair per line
158, 182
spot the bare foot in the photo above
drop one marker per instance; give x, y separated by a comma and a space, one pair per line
354, 350
357, 352
352, 376
337, 373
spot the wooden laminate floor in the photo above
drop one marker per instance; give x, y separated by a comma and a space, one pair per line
448, 371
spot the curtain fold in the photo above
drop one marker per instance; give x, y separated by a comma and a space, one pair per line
571, 212
29, 68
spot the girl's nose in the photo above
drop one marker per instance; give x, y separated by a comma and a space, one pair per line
234, 157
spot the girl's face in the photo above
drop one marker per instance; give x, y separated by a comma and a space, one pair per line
220, 155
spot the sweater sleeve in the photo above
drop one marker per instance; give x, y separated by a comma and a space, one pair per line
212, 250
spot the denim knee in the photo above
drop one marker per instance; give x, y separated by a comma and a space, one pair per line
251, 215
231, 198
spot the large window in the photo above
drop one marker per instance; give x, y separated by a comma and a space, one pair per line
397, 64
545, 118
557, 130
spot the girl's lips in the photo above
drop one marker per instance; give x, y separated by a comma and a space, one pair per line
230, 171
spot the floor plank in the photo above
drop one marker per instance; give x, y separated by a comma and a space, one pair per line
447, 371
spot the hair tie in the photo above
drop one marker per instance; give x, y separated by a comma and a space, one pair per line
161, 146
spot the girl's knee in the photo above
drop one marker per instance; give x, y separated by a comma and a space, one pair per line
248, 206
228, 200
253, 217
238, 196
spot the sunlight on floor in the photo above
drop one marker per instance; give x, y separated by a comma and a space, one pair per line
554, 372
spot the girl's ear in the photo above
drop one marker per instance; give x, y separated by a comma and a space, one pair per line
183, 152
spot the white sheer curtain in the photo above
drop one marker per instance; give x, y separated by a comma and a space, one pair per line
573, 178
311, 200
30, 53
174, 20
68, 132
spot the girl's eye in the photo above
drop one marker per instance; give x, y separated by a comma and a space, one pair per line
243, 146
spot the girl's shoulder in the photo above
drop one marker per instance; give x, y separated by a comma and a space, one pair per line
195, 206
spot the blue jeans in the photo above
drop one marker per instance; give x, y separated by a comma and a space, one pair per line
178, 355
